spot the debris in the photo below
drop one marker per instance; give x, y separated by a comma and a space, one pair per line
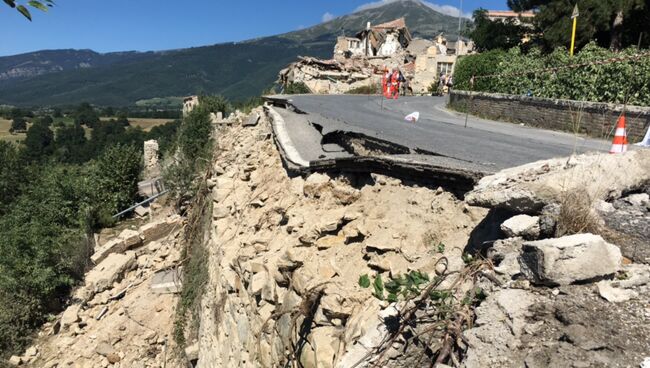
612, 294
70, 316
412, 117
169, 281
101, 313
572, 258
523, 226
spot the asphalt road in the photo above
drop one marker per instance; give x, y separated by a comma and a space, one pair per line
490, 144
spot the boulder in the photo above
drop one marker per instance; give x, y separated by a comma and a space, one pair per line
159, 229
104, 349
528, 188
70, 316
523, 226
613, 294
568, 259
112, 246
314, 185
110, 270
15, 360
131, 238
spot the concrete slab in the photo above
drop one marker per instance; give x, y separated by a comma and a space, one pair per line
167, 282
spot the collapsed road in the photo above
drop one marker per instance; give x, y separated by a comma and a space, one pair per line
347, 132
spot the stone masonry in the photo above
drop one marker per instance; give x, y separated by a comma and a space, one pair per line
598, 119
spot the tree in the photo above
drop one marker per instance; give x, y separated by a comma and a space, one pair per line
119, 170
12, 173
39, 141
40, 5
489, 35
611, 23
70, 143
18, 125
86, 115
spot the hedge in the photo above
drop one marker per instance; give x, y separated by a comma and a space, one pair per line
611, 82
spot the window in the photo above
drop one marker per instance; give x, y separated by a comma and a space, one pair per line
444, 68
353, 44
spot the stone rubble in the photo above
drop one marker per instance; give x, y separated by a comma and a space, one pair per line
115, 319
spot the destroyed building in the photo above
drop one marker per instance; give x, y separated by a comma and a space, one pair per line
358, 62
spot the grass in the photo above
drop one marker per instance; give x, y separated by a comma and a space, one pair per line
4, 132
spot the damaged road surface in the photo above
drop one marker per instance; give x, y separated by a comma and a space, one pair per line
337, 131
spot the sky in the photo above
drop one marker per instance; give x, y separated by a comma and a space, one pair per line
145, 25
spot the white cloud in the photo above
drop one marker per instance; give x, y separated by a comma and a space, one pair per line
327, 17
444, 9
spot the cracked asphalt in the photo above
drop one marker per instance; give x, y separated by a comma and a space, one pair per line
489, 144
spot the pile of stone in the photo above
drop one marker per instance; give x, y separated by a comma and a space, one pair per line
573, 298
118, 317
286, 254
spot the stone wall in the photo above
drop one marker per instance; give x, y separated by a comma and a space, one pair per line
598, 119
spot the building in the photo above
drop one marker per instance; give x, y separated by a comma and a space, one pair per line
383, 40
358, 62
517, 18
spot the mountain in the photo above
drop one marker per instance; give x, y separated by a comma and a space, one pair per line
236, 70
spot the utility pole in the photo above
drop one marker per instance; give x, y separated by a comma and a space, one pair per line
574, 16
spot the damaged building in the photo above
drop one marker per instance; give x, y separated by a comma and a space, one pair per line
358, 62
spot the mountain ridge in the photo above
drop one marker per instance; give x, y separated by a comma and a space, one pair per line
237, 70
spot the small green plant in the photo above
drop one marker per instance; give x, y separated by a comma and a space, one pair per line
440, 248
468, 258
364, 281
296, 88
378, 285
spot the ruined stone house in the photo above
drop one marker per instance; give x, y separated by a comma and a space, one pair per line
359, 61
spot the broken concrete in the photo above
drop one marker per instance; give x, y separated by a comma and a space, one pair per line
110, 270
528, 188
523, 226
569, 259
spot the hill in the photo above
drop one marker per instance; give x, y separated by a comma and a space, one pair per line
236, 70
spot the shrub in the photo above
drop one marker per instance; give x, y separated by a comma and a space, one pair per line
370, 89
296, 88
611, 83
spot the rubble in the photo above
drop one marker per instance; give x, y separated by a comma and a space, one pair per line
116, 318
522, 226
528, 188
569, 259
358, 62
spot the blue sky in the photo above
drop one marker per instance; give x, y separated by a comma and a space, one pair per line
120, 25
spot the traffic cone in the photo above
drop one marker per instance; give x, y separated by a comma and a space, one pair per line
619, 145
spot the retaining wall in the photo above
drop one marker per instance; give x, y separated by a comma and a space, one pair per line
598, 119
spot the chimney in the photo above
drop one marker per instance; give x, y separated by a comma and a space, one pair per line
368, 26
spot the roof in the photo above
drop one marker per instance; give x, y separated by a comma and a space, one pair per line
509, 13
394, 24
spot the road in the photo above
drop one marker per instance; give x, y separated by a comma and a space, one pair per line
489, 144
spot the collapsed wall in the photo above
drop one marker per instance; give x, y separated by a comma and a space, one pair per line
286, 255
294, 264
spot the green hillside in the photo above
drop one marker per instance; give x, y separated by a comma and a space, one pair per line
236, 70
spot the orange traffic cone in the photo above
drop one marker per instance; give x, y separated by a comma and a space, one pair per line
619, 145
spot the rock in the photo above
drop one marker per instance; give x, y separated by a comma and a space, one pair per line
638, 200
131, 238
110, 270
220, 212
329, 241
112, 246
252, 120
258, 282
548, 220
614, 295
528, 188
15, 360
159, 229
314, 185
32, 351
104, 349
325, 347
192, 351
141, 211
523, 226
572, 258
113, 358
70, 316
604, 207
